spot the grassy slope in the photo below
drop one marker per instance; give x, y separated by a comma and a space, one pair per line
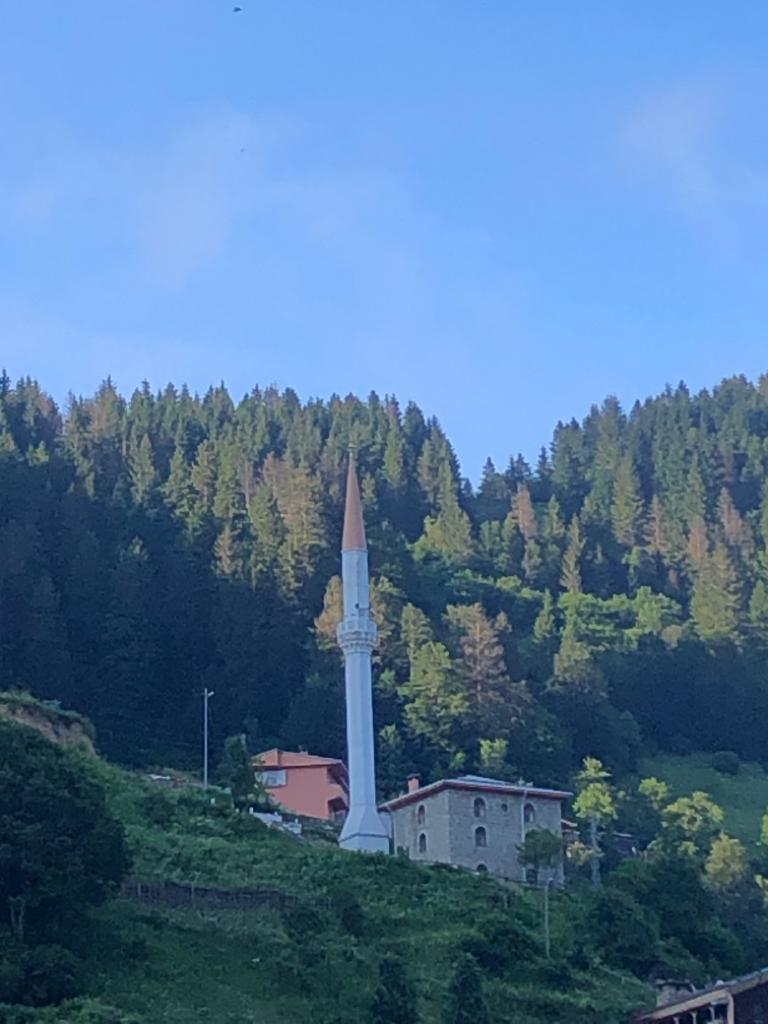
271, 968
744, 797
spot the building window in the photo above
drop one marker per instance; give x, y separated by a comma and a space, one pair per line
529, 814
421, 814
479, 807
422, 842
274, 777
482, 869
504, 806
481, 837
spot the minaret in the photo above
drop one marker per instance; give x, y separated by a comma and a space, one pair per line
363, 828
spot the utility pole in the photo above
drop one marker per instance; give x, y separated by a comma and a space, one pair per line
547, 942
594, 863
207, 694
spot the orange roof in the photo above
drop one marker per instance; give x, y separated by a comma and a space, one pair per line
276, 758
353, 538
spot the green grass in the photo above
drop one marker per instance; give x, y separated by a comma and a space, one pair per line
317, 963
743, 798
180, 967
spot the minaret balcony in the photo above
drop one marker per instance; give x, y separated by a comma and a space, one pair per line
357, 632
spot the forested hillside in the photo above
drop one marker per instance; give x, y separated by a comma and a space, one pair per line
613, 595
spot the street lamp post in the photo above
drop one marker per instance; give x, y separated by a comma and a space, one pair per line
207, 694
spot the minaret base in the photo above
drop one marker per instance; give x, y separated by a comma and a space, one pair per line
364, 831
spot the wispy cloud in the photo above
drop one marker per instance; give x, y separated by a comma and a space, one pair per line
692, 142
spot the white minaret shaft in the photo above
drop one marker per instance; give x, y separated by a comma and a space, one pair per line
363, 828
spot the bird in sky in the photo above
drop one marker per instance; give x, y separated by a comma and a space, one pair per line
236, 10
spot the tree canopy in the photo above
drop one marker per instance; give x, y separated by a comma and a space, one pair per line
160, 542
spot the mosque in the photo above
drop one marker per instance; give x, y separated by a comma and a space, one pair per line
472, 821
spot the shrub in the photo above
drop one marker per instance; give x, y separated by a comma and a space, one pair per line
50, 975
726, 762
680, 745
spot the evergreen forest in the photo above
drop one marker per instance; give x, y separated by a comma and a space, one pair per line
608, 600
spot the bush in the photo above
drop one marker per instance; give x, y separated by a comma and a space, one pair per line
499, 943
50, 975
680, 745
625, 934
36, 975
77, 1011
726, 762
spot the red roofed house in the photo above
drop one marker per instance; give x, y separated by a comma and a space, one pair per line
316, 787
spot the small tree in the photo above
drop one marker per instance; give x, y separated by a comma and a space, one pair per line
395, 1000
60, 848
691, 823
595, 803
655, 792
493, 758
237, 773
727, 865
542, 849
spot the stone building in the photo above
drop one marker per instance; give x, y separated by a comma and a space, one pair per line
474, 822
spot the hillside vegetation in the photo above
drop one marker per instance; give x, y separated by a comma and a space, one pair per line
743, 796
321, 958
614, 593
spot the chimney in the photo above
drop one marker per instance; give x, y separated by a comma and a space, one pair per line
414, 783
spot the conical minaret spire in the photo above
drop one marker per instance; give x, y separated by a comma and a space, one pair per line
363, 828
353, 538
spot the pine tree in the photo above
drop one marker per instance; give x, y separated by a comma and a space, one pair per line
698, 545
203, 474
570, 576
392, 764
715, 602
492, 501
656, 529
435, 702
394, 459
178, 490
607, 459
143, 475
524, 513
758, 611
450, 534
694, 501
533, 563
415, 631
268, 532
627, 505
481, 668
544, 627
736, 533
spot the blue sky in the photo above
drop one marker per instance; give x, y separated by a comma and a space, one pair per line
503, 210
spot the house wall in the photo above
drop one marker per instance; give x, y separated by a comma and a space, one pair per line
308, 790
503, 821
436, 827
450, 825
